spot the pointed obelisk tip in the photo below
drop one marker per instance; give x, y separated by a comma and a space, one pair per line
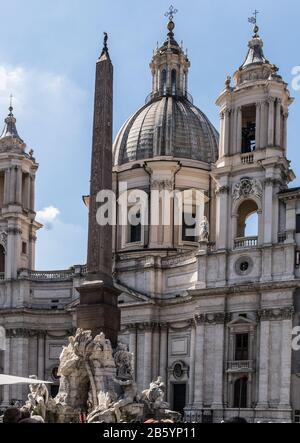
104, 54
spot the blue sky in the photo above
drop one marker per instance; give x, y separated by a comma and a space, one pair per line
48, 50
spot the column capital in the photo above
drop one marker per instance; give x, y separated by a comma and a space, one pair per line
14, 231
222, 190
211, 318
276, 314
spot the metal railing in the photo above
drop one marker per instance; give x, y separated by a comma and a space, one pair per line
245, 242
240, 366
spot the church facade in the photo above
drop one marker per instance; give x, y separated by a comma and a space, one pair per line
214, 316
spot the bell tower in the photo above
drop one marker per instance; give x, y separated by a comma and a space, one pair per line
252, 166
18, 226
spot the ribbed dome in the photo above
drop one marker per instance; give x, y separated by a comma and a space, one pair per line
167, 126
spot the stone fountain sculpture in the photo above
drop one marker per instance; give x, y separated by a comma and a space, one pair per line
99, 383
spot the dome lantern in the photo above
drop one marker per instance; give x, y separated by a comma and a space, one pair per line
169, 65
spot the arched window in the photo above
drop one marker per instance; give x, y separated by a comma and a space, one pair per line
164, 81
174, 81
2, 259
240, 393
248, 129
247, 224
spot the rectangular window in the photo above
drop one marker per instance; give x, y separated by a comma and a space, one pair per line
298, 224
297, 259
24, 247
248, 129
135, 231
188, 224
297, 416
242, 347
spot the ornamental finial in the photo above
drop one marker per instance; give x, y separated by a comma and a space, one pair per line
170, 14
253, 20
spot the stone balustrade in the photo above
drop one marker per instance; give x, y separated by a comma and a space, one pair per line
240, 366
247, 159
60, 275
245, 242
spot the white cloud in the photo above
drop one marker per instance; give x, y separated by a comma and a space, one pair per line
48, 215
42, 101
50, 109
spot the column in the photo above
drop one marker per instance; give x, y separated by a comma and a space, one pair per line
192, 364
278, 123
41, 356
271, 121
233, 138
264, 350
285, 117
227, 131
286, 358
258, 125
7, 355
19, 186
268, 210
222, 135
163, 358
27, 194
6, 187
263, 125
239, 130
147, 355
186, 82
132, 345
222, 217
32, 192
218, 366
199, 364
12, 185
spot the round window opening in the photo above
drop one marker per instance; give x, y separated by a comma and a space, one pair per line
244, 266
178, 372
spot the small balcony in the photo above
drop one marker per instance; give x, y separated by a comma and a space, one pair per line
240, 366
247, 159
245, 242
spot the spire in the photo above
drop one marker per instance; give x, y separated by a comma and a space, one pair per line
10, 129
255, 53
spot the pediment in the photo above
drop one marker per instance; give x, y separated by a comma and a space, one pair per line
241, 321
129, 295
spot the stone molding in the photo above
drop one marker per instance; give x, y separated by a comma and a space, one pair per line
28, 333
276, 314
14, 231
213, 318
161, 185
222, 190
272, 182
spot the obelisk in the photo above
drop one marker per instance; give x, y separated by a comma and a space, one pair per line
98, 309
